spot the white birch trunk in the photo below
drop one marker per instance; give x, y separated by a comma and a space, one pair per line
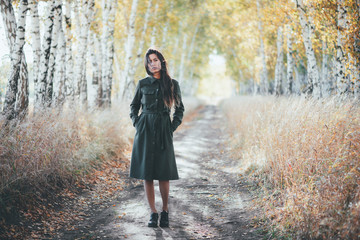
45, 56
88, 17
297, 85
357, 64
357, 81
76, 33
154, 29
188, 82
53, 52
22, 96
99, 90
290, 62
192, 46
108, 52
142, 41
342, 81
182, 61
279, 62
69, 69
9, 22
166, 28
313, 86
95, 55
117, 70
164, 34
59, 75
36, 42
325, 78
354, 73
16, 37
106, 7
128, 84
175, 48
264, 83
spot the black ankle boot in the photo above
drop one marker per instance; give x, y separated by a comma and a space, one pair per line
153, 222
164, 219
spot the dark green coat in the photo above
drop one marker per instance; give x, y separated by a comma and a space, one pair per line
153, 155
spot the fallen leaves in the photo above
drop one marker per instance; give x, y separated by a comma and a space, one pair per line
49, 219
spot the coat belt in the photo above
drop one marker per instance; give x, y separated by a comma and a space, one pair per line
159, 125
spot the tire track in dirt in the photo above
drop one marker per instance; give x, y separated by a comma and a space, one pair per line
208, 202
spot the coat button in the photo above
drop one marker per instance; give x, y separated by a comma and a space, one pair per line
153, 142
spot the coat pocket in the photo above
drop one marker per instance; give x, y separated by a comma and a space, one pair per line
149, 98
138, 121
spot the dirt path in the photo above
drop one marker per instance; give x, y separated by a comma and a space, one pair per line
208, 202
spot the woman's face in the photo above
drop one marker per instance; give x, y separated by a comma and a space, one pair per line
154, 64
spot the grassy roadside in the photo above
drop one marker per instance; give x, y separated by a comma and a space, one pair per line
54, 150
304, 155
47, 158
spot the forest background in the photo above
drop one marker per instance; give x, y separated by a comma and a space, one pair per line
61, 102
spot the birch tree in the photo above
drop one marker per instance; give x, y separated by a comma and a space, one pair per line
57, 24
313, 85
342, 80
166, 28
325, 77
193, 40
290, 62
357, 64
354, 76
95, 55
279, 62
107, 41
182, 60
79, 72
142, 41
17, 86
357, 80
36, 42
45, 56
154, 29
175, 47
128, 84
190, 83
68, 78
86, 18
264, 83
59, 74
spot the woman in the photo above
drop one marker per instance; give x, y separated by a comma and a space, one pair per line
153, 155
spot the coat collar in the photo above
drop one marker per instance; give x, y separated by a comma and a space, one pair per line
152, 79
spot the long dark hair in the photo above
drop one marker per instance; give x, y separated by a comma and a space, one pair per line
167, 86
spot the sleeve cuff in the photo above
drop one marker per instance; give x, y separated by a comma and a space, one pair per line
134, 120
174, 126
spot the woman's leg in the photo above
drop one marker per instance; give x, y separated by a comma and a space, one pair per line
150, 194
164, 190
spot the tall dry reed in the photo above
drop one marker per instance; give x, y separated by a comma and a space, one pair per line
52, 149
305, 154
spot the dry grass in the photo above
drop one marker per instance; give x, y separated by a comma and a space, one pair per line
52, 150
305, 154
